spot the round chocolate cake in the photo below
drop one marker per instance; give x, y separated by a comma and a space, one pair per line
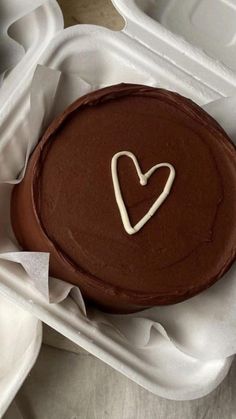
132, 191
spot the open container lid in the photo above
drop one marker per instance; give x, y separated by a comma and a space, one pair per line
198, 36
32, 25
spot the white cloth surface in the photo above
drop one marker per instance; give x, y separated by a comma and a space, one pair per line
20, 342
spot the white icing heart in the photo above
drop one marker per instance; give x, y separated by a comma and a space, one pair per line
143, 177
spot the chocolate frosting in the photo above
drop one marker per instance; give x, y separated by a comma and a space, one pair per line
66, 203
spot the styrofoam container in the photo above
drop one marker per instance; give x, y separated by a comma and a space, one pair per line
144, 52
198, 36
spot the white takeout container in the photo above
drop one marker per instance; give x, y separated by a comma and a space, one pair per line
147, 52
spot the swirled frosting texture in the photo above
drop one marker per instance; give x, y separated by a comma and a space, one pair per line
66, 204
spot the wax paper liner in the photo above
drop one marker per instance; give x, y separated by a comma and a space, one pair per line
201, 328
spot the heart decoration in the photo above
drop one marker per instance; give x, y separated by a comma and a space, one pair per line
143, 178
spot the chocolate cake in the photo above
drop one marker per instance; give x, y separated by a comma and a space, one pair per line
132, 192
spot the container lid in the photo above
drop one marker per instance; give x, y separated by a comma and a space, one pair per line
199, 36
32, 25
